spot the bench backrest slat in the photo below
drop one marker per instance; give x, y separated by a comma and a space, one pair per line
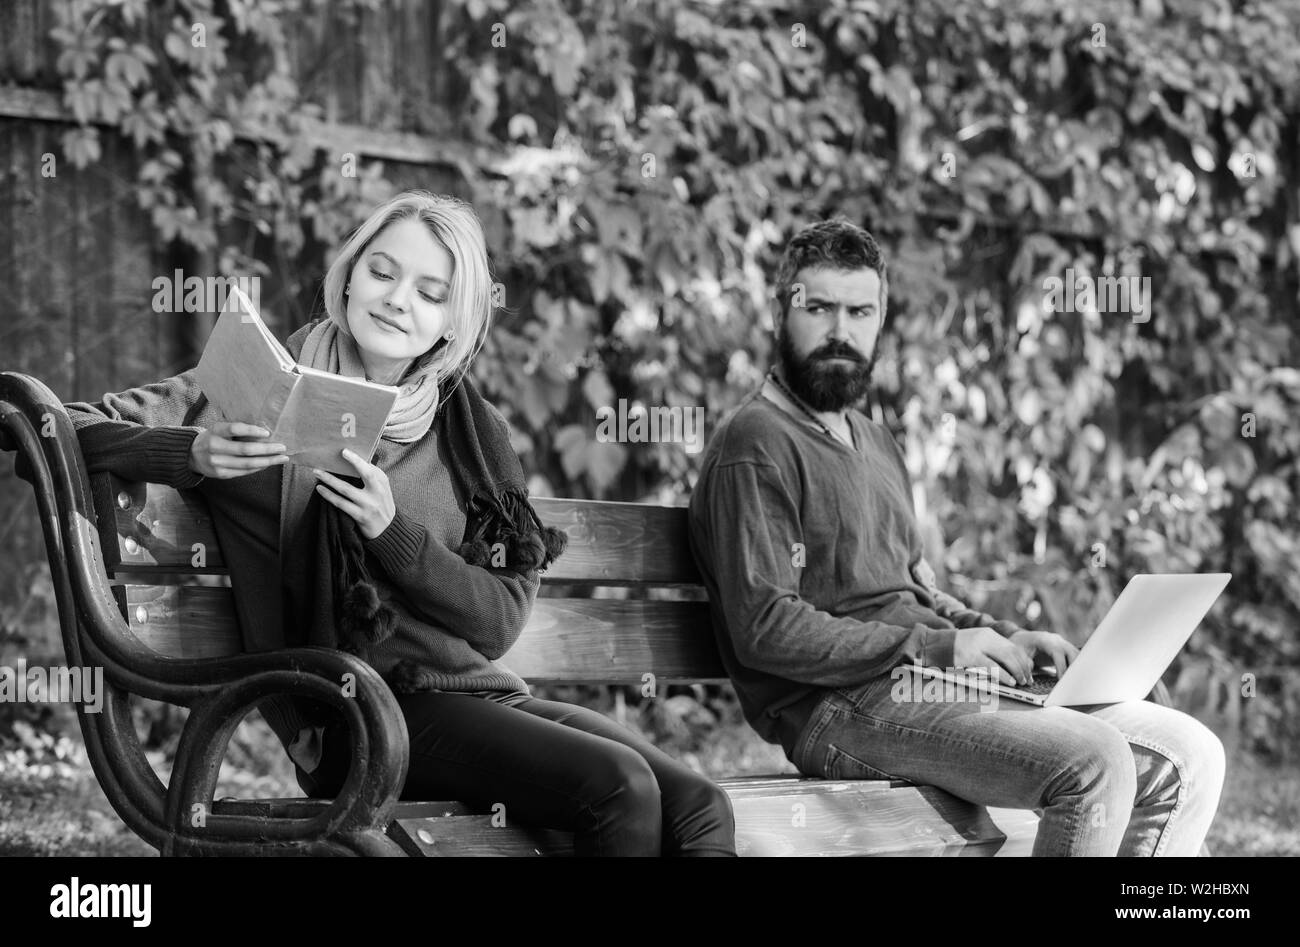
607, 641
182, 621
568, 640
615, 544
154, 528
149, 527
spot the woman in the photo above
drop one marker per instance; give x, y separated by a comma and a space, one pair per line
402, 565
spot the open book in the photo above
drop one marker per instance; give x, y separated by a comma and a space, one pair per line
251, 377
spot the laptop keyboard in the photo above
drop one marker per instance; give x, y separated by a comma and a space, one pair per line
1042, 684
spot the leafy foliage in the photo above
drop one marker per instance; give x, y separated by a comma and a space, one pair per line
643, 163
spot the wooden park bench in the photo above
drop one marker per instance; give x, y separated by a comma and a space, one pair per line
119, 553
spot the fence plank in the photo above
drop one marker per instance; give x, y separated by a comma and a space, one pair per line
336, 137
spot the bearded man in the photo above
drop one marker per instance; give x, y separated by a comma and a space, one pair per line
802, 524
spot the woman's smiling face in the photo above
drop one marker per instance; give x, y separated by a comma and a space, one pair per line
397, 299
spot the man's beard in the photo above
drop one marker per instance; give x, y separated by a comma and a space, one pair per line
821, 384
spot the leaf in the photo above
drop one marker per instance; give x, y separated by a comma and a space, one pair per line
81, 146
1238, 464
597, 389
521, 126
177, 46
535, 226
571, 445
605, 461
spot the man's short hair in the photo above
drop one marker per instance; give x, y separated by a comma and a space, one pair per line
836, 244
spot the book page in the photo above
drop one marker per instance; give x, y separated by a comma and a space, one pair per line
241, 375
238, 302
326, 413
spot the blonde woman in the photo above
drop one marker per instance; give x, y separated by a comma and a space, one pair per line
394, 564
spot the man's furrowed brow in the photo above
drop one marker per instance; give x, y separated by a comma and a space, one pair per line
814, 300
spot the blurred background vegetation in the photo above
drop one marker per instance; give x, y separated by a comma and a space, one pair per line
638, 167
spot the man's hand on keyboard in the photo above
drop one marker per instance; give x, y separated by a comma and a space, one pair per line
1009, 662
1047, 649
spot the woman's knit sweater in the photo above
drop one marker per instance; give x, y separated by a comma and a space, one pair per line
454, 620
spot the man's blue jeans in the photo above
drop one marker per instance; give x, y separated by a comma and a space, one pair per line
1131, 778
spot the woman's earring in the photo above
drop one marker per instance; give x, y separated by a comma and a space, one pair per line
347, 290
451, 335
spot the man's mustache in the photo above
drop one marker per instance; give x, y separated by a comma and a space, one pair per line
836, 351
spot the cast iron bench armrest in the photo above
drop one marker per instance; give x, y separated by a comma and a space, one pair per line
379, 742
218, 691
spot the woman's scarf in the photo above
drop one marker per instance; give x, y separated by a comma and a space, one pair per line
483, 465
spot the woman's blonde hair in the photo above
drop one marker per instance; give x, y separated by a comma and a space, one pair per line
453, 223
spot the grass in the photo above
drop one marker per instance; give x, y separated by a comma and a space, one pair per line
1259, 812
51, 803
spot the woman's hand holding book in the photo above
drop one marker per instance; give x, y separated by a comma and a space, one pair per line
370, 504
215, 453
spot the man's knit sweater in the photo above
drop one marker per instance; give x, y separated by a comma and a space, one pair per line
812, 558
453, 619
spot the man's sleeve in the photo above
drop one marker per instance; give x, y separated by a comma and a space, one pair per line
953, 609
748, 530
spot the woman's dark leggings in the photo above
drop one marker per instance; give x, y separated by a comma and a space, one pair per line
552, 765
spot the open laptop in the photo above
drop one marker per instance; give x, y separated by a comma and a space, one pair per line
1134, 644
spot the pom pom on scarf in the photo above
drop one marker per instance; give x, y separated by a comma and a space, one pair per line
476, 553
407, 677
364, 616
556, 540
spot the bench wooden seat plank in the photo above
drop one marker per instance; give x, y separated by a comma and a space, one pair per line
808, 818
861, 819
1004, 832
1020, 826
775, 816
